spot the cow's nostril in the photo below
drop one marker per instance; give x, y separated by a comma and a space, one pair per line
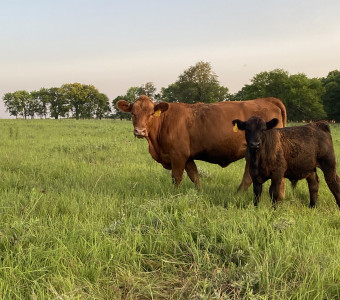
140, 132
254, 145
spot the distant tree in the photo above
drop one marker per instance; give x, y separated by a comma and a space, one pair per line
71, 94
85, 100
132, 94
197, 84
331, 97
12, 104
300, 94
148, 89
303, 98
41, 100
59, 106
265, 84
171, 93
23, 101
33, 106
102, 106
89, 95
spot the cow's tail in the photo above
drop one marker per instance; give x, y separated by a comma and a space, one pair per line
282, 107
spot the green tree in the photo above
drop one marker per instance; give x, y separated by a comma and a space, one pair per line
303, 98
23, 101
301, 95
265, 84
12, 104
41, 102
148, 89
33, 106
331, 97
101, 106
197, 84
72, 94
132, 94
59, 106
85, 100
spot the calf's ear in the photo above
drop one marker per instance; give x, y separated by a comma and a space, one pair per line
124, 106
240, 125
160, 108
272, 123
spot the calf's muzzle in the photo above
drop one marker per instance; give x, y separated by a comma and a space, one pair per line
254, 145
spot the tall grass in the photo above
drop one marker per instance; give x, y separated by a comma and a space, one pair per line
87, 214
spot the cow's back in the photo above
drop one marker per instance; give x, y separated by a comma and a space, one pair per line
205, 131
302, 146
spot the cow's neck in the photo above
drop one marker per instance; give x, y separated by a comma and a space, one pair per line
152, 138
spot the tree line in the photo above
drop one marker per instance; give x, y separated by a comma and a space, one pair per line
76, 100
305, 98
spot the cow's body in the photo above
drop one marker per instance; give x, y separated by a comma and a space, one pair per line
291, 152
183, 133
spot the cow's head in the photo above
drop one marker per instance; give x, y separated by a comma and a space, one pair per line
254, 127
143, 111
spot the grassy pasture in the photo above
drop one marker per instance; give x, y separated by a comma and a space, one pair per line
87, 214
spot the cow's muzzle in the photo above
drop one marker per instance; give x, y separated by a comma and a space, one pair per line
254, 145
140, 132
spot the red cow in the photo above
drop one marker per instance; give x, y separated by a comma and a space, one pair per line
180, 133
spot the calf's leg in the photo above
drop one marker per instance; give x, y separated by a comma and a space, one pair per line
275, 190
257, 187
333, 184
191, 169
328, 167
313, 186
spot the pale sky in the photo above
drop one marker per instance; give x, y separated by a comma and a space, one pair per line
118, 44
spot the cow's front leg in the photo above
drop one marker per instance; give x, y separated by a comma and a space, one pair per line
257, 187
177, 169
246, 179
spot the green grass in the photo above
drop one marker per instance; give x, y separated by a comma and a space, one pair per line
87, 214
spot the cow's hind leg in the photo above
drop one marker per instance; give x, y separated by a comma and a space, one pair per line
313, 186
191, 169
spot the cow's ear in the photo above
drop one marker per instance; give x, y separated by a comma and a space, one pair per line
124, 106
272, 123
160, 108
238, 124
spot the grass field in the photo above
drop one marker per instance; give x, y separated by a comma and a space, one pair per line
87, 214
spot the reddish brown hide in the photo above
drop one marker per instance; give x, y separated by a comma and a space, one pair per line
180, 133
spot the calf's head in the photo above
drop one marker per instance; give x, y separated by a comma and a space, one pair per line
254, 128
143, 112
